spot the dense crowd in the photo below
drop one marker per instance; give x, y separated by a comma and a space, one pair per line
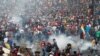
33, 30
50, 19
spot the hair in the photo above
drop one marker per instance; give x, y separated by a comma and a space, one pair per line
75, 52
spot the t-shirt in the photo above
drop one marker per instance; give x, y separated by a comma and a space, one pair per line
98, 34
7, 45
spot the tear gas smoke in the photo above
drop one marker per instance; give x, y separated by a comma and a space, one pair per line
63, 40
23, 42
16, 20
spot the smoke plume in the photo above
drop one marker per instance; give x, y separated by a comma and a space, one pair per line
77, 43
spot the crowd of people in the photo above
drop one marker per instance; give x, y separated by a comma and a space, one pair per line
14, 35
87, 28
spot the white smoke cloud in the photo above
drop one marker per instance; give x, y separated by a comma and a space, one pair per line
16, 19
63, 40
